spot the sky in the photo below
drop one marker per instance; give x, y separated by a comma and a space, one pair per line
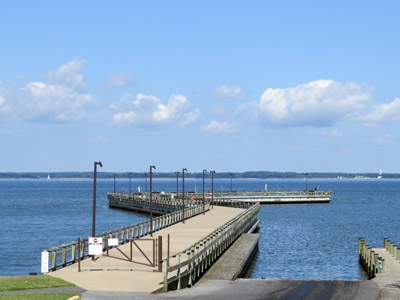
303, 86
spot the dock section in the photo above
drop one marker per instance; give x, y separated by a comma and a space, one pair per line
167, 202
236, 259
383, 266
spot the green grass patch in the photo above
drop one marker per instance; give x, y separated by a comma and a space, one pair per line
16, 283
36, 296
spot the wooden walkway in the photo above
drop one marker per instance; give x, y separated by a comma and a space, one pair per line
383, 265
118, 275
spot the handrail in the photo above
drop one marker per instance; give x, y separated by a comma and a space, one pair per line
213, 245
137, 230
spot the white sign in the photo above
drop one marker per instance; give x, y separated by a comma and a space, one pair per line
112, 242
95, 246
45, 262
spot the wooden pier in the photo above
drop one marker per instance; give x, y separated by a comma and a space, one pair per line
383, 266
167, 202
194, 246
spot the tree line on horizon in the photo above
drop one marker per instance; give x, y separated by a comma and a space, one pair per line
217, 175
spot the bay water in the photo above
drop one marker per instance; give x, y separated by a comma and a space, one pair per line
318, 241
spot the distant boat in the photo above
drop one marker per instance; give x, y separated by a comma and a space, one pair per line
48, 177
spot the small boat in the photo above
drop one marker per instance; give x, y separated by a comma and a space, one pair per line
48, 177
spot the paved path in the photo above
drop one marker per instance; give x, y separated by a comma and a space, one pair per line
117, 275
249, 289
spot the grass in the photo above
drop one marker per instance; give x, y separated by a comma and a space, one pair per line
30, 282
36, 296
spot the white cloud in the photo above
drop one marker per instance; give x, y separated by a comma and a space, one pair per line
58, 98
121, 79
2, 101
233, 92
67, 75
149, 110
220, 127
384, 113
55, 102
317, 103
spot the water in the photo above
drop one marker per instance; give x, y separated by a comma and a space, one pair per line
297, 241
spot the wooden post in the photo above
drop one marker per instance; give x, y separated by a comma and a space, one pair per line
165, 274
160, 253
79, 254
178, 271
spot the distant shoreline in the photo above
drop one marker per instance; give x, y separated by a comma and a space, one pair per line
191, 178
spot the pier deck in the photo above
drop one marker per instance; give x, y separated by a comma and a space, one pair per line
118, 275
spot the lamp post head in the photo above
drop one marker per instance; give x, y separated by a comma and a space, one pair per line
204, 171
184, 169
154, 167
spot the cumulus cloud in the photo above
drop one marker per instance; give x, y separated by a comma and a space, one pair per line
317, 103
58, 98
67, 75
121, 79
233, 92
220, 127
149, 110
383, 113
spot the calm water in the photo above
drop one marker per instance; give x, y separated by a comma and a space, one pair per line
297, 241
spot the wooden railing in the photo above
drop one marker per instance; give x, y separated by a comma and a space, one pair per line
371, 262
67, 254
193, 262
392, 248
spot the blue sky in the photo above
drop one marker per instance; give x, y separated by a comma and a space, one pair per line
305, 86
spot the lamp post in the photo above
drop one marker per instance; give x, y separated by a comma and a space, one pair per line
212, 188
307, 181
145, 174
230, 188
183, 195
151, 199
130, 186
204, 198
177, 184
94, 199
114, 181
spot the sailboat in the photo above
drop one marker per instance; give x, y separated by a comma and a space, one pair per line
48, 177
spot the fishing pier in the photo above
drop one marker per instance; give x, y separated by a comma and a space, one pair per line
173, 255
166, 202
212, 236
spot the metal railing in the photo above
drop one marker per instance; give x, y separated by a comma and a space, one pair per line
199, 257
67, 254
